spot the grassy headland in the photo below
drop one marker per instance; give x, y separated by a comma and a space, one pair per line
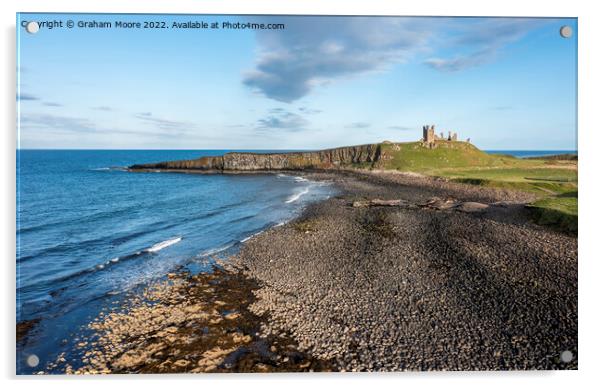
553, 180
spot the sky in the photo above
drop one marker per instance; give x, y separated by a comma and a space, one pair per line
505, 83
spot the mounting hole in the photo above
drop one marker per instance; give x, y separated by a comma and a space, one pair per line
32, 27
33, 360
566, 31
566, 356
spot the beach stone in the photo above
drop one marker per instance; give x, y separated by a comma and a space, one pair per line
472, 207
182, 363
232, 316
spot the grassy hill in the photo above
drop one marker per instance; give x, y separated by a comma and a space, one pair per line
553, 180
417, 158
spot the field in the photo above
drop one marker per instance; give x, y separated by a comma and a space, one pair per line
553, 180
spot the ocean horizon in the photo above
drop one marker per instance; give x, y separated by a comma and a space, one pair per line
216, 152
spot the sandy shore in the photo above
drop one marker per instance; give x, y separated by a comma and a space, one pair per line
463, 281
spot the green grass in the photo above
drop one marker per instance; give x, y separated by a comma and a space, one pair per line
556, 157
553, 181
559, 212
526, 173
414, 157
465, 163
530, 178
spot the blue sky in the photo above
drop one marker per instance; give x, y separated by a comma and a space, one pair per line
321, 82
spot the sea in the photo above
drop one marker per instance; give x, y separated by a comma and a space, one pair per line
89, 232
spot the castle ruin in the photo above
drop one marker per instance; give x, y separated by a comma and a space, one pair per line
429, 138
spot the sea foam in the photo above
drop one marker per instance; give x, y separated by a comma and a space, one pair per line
296, 196
164, 244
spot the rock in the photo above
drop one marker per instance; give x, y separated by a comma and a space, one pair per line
232, 316
472, 207
182, 363
213, 357
379, 202
439, 203
130, 359
246, 161
262, 368
240, 338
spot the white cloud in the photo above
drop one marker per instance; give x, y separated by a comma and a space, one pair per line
484, 39
314, 50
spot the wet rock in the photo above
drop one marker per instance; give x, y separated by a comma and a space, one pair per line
232, 316
182, 363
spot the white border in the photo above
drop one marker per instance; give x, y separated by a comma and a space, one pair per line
590, 143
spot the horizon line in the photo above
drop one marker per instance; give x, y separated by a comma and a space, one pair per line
239, 149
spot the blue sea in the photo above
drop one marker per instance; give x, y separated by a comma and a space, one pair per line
88, 231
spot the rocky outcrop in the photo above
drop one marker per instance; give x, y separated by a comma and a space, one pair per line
368, 154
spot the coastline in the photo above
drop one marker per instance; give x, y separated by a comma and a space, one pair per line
416, 287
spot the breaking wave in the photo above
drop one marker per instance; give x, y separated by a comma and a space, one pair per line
296, 196
213, 251
164, 244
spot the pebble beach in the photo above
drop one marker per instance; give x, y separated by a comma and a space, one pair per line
397, 272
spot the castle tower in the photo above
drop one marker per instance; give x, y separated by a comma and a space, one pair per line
428, 134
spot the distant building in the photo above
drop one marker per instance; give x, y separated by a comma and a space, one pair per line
430, 139
428, 134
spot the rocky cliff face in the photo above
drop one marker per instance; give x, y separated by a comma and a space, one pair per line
245, 161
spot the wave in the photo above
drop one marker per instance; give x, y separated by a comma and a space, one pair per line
164, 244
296, 196
300, 179
112, 168
251, 236
98, 267
213, 251
115, 239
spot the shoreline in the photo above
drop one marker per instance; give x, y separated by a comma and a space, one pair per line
188, 324
382, 288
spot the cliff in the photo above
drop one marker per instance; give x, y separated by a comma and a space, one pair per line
368, 154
